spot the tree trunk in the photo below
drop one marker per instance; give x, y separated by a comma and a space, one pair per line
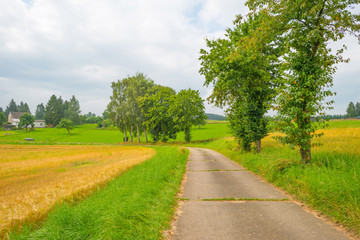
187, 134
305, 155
125, 136
145, 135
258, 146
138, 134
68, 131
131, 134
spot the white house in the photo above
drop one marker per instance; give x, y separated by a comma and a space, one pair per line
14, 119
39, 124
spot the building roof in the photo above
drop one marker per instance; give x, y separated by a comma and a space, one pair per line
17, 115
39, 120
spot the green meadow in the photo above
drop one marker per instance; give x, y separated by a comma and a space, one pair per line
88, 133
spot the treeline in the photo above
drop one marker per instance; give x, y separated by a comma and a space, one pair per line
212, 116
55, 110
278, 57
138, 105
353, 110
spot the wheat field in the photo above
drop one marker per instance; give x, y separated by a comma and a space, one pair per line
34, 178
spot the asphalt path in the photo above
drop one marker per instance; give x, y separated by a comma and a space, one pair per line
221, 200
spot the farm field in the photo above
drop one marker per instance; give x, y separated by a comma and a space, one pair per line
88, 133
329, 184
34, 178
139, 204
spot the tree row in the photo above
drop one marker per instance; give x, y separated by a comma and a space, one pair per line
138, 105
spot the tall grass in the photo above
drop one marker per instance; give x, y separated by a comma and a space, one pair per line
330, 183
137, 205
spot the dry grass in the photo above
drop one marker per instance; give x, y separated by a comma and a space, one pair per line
340, 140
33, 179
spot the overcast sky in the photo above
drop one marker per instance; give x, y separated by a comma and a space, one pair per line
78, 47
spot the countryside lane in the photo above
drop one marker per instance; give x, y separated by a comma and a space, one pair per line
224, 201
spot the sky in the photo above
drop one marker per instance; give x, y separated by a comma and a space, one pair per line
78, 47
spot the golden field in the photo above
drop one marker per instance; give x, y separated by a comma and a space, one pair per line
34, 178
340, 140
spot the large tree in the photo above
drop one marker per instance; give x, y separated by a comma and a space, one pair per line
3, 119
72, 110
308, 62
40, 112
187, 109
65, 123
124, 109
12, 107
242, 68
357, 109
351, 110
158, 119
23, 107
27, 120
54, 110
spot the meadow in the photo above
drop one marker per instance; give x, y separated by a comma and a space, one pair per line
89, 134
33, 179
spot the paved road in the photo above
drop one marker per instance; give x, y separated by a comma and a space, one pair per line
226, 202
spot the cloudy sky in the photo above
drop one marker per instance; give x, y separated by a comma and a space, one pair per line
78, 47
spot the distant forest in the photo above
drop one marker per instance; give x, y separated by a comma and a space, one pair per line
212, 116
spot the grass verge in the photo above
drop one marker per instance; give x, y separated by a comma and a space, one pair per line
137, 205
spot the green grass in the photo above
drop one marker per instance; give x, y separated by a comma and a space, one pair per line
88, 133
137, 205
344, 124
329, 184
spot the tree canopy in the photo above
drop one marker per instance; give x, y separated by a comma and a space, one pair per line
54, 110
242, 69
308, 63
187, 110
40, 112
65, 123
27, 120
139, 104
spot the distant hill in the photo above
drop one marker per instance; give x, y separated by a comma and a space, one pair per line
212, 116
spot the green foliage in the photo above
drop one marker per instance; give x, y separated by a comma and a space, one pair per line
54, 110
158, 118
124, 109
351, 110
3, 119
187, 110
357, 109
211, 116
308, 62
40, 112
12, 107
65, 123
27, 120
242, 68
72, 110
137, 205
23, 107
